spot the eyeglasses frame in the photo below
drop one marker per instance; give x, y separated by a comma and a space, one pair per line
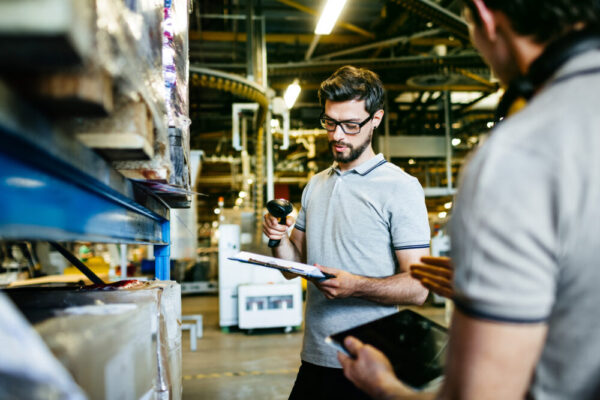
339, 123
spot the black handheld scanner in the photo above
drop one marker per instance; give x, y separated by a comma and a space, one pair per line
279, 208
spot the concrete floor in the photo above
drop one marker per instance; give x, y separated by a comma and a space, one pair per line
237, 366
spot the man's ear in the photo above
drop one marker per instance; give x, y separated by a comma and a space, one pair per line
487, 18
377, 117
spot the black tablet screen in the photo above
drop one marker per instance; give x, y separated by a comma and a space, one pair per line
415, 345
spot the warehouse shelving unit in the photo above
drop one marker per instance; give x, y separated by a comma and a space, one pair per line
54, 188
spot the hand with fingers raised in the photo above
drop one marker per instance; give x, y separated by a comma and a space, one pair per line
435, 273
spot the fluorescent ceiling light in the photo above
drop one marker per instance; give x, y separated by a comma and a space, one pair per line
291, 94
329, 16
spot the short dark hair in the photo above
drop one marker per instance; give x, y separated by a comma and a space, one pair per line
351, 83
544, 20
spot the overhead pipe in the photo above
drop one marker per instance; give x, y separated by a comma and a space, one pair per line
236, 110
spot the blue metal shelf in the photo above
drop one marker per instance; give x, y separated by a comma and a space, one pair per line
54, 188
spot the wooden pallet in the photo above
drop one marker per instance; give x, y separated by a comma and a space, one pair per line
127, 134
83, 93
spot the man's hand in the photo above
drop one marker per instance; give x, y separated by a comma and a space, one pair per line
343, 285
435, 274
371, 371
273, 229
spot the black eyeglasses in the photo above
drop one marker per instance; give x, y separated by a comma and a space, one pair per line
349, 127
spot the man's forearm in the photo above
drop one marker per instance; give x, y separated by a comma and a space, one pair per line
397, 289
287, 250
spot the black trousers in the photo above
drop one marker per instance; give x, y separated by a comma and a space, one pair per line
315, 383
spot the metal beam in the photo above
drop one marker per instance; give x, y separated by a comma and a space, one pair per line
286, 38
438, 15
383, 43
451, 61
312, 47
491, 85
310, 11
54, 188
448, 136
401, 87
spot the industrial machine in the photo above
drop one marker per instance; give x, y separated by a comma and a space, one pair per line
253, 297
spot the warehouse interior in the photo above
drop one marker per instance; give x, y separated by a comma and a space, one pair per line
141, 142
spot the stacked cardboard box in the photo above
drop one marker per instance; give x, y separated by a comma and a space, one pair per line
163, 324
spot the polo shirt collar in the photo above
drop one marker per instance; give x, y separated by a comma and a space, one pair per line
364, 168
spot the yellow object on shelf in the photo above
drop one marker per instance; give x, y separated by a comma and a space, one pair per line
96, 264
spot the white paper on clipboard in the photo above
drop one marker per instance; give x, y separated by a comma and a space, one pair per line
305, 270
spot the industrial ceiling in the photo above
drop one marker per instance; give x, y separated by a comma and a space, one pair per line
436, 83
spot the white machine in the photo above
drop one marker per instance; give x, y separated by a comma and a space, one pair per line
256, 282
270, 306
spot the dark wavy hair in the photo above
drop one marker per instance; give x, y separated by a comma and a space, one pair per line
351, 83
544, 20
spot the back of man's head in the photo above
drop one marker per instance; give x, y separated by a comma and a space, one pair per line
544, 20
351, 83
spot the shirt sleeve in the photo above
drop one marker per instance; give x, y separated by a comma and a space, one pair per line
301, 219
503, 237
409, 225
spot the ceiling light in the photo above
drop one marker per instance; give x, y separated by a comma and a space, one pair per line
456, 142
239, 201
243, 194
490, 125
411, 162
291, 94
448, 205
217, 211
329, 16
443, 214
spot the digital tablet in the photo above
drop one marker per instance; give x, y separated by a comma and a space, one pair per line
415, 345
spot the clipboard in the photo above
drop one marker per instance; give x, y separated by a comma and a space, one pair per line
304, 270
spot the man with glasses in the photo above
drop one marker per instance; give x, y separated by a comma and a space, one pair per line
363, 218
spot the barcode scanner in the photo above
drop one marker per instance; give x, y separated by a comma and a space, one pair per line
279, 208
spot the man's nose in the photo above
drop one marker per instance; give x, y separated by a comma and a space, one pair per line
338, 133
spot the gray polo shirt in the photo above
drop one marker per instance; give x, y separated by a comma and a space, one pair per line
525, 229
355, 220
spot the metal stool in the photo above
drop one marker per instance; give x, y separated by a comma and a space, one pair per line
195, 328
193, 334
197, 319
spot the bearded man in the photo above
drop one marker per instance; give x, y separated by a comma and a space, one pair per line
365, 217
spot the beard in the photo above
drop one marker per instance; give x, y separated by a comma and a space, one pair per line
355, 152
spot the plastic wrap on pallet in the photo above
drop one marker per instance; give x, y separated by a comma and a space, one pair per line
130, 45
107, 348
28, 370
38, 304
176, 62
